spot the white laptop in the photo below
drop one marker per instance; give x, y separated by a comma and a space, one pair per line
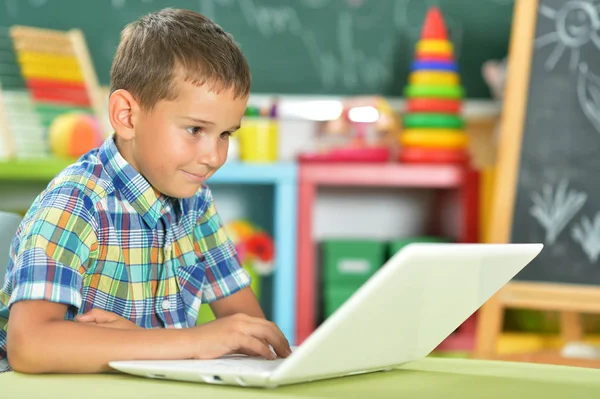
401, 314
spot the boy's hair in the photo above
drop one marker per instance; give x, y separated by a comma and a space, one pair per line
173, 42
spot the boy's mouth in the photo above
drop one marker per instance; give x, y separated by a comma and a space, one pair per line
195, 177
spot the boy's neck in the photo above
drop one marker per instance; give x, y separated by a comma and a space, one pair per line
124, 149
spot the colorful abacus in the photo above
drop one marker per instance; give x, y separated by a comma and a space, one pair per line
57, 71
21, 132
433, 126
43, 74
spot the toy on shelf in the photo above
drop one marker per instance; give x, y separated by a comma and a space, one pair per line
364, 132
433, 125
57, 69
48, 73
258, 138
256, 253
73, 134
21, 132
255, 249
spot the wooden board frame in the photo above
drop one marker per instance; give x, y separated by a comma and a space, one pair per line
570, 300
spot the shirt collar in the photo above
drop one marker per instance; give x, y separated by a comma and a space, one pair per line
145, 199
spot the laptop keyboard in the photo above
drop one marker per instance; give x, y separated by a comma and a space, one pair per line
234, 364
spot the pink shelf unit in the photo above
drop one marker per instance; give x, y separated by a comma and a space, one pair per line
452, 183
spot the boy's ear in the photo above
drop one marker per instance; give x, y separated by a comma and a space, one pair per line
122, 108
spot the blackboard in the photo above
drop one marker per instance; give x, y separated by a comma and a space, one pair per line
328, 47
558, 185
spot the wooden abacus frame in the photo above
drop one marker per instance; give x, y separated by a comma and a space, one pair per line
65, 43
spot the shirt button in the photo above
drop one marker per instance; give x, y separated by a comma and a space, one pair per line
166, 305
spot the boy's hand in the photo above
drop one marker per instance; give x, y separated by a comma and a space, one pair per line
103, 318
239, 333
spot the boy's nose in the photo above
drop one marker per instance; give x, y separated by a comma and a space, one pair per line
208, 151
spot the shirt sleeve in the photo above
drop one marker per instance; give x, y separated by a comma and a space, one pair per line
54, 249
224, 273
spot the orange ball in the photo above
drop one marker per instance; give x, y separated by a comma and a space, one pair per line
73, 134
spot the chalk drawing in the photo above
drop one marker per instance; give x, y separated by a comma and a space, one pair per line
271, 20
353, 67
554, 209
588, 94
338, 63
364, 19
575, 24
315, 3
342, 64
587, 234
38, 3
11, 8
118, 4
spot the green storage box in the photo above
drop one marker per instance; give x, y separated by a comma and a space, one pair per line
397, 245
335, 296
351, 261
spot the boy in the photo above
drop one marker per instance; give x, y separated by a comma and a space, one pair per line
115, 256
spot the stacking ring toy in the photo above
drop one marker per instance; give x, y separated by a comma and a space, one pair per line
447, 106
434, 138
425, 120
439, 91
434, 78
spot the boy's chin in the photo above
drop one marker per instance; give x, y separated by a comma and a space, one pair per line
183, 191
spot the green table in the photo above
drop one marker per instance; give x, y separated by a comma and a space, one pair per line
429, 378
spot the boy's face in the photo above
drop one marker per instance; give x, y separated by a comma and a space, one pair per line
181, 143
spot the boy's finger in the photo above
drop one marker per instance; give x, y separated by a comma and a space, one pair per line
277, 335
250, 344
249, 352
270, 335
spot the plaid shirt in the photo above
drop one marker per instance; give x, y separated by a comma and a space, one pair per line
99, 236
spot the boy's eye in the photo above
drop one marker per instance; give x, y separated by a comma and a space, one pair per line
194, 130
226, 135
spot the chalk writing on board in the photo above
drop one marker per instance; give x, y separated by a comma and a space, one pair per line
575, 24
315, 3
587, 234
351, 66
344, 63
118, 4
554, 209
12, 8
588, 94
271, 21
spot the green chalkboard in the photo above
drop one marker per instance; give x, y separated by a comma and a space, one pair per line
332, 47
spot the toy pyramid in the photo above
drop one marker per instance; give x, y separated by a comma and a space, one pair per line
433, 126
